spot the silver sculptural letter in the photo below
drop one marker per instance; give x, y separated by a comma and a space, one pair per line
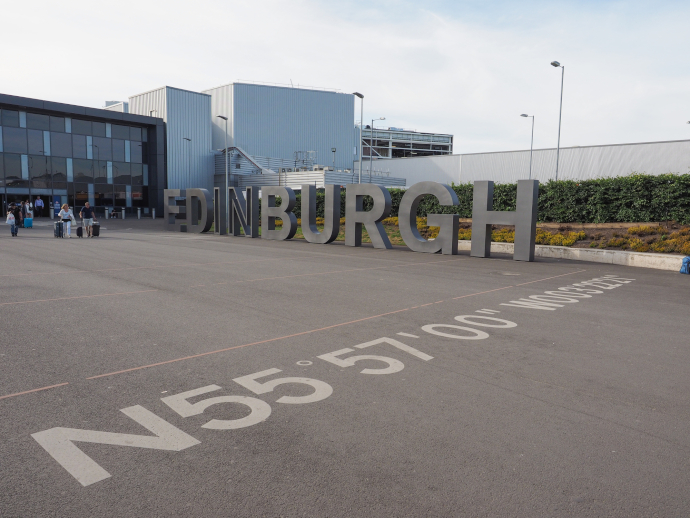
197, 210
269, 213
199, 205
171, 209
524, 219
355, 216
447, 240
331, 214
219, 214
244, 213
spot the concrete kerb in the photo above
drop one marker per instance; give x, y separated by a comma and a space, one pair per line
623, 258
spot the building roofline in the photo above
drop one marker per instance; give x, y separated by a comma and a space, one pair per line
277, 85
165, 87
75, 110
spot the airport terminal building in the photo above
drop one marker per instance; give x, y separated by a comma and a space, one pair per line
73, 154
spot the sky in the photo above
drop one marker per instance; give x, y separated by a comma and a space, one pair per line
468, 68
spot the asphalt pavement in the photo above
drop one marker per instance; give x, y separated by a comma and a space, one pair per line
149, 373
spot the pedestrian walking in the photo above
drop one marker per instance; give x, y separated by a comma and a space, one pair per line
13, 219
22, 210
66, 216
39, 206
87, 217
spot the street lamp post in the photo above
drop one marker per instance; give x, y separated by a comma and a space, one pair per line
560, 111
361, 123
333, 151
227, 186
371, 143
531, 144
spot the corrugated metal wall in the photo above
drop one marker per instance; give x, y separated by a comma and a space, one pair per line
576, 163
221, 104
274, 121
187, 114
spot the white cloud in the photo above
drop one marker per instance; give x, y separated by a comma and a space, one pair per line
460, 67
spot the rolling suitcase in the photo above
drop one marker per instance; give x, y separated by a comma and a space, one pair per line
96, 229
28, 222
80, 231
58, 229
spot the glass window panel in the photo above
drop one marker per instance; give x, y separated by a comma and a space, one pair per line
121, 173
103, 196
137, 174
35, 138
81, 127
121, 132
10, 118
14, 140
13, 171
39, 172
98, 129
83, 170
60, 144
120, 195
78, 146
136, 152
118, 150
81, 196
135, 134
2, 169
59, 171
102, 148
100, 169
37, 122
144, 135
57, 124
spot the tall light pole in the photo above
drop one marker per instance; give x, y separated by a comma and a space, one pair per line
371, 142
361, 123
531, 145
333, 151
558, 149
227, 186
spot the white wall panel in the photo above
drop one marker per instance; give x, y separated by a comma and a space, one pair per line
576, 163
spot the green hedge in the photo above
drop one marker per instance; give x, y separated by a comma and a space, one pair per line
606, 200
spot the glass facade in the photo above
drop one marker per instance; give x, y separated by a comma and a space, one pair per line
73, 159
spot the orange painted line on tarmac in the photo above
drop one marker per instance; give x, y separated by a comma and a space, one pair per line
305, 332
78, 297
33, 390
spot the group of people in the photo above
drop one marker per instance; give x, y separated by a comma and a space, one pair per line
86, 214
17, 213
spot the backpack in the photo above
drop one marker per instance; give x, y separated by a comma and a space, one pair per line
685, 268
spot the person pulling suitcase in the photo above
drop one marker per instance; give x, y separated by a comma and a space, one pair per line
87, 216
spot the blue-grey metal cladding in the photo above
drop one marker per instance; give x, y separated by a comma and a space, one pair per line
273, 121
187, 116
221, 104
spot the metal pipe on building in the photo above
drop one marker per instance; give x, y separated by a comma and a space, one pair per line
361, 124
560, 111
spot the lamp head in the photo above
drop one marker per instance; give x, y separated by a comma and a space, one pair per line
358, 95
524, 115
221, 117
555, 64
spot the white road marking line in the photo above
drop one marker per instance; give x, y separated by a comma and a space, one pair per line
408, 334
487, 311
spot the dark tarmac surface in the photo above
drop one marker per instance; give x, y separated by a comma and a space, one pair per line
581, 410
